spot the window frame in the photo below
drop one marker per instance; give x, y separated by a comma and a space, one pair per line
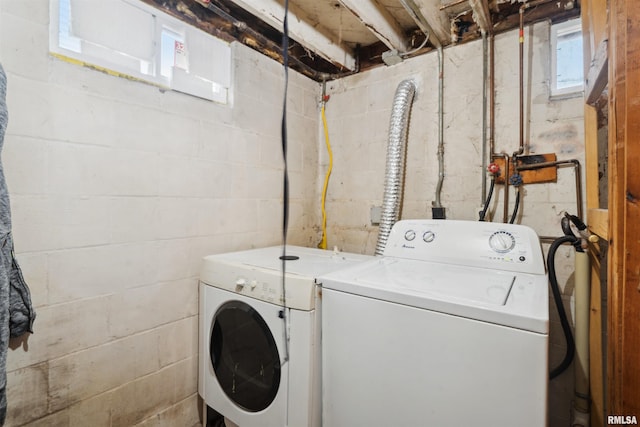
557, 31
71, 50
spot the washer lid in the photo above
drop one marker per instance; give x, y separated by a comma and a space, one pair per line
442, 281
505, 298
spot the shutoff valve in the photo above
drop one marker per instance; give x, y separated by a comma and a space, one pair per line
493, 169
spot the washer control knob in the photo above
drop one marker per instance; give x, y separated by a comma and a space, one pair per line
428, 236
502, 241
241, 282
410, 235
253, 284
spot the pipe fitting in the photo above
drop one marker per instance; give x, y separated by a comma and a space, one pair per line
516, 180
493, 169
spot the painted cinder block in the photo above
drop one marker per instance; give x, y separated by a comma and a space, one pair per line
137, 400
48, 222
87, 373
62, 329
101, 270
183, 413
21, 151
146, 307
27, 394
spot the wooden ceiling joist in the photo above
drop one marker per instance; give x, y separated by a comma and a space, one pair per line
323, 50
312, 36
481, 15
437, 19
379, 21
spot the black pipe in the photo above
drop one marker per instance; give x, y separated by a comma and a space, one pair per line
488, 200
516, 206
555, 289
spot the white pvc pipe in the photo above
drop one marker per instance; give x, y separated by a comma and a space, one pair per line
581, 331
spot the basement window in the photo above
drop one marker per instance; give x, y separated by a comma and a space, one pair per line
133, 40
567, 67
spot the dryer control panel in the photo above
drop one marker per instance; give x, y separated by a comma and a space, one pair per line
257, 273
498, 246
260, 283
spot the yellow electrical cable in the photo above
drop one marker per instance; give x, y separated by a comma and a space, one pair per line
323, 243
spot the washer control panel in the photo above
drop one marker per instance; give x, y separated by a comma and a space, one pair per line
508, 247
502, 241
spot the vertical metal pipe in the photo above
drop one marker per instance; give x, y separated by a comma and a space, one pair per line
492, 96
437, 202
521, 82
578, 177
524, 7
484, 117
577, 174
492, 126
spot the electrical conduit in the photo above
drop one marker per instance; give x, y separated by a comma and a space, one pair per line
394, 175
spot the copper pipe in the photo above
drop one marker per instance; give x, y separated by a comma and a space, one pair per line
521, 148
483, 196
548, 239
492, 96
577, 173
521, 88
437, 202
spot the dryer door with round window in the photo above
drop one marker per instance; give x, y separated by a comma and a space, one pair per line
245, 356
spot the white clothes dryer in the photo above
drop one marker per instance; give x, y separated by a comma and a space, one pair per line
259, 338
448, 328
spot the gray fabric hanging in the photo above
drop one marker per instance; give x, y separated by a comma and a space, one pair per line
16, 311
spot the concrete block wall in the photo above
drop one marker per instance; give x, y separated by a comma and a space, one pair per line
358, 115
118, 189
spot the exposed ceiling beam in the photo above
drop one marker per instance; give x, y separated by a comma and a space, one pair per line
379, 21
481, 15
413, 10
557, 11
437, 19
312, 36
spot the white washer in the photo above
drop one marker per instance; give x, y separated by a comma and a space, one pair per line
244, 373
448, 328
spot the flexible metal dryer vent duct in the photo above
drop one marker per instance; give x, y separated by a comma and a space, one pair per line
394, 175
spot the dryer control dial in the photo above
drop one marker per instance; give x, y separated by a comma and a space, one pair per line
502, 241
409, 235
428, 236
